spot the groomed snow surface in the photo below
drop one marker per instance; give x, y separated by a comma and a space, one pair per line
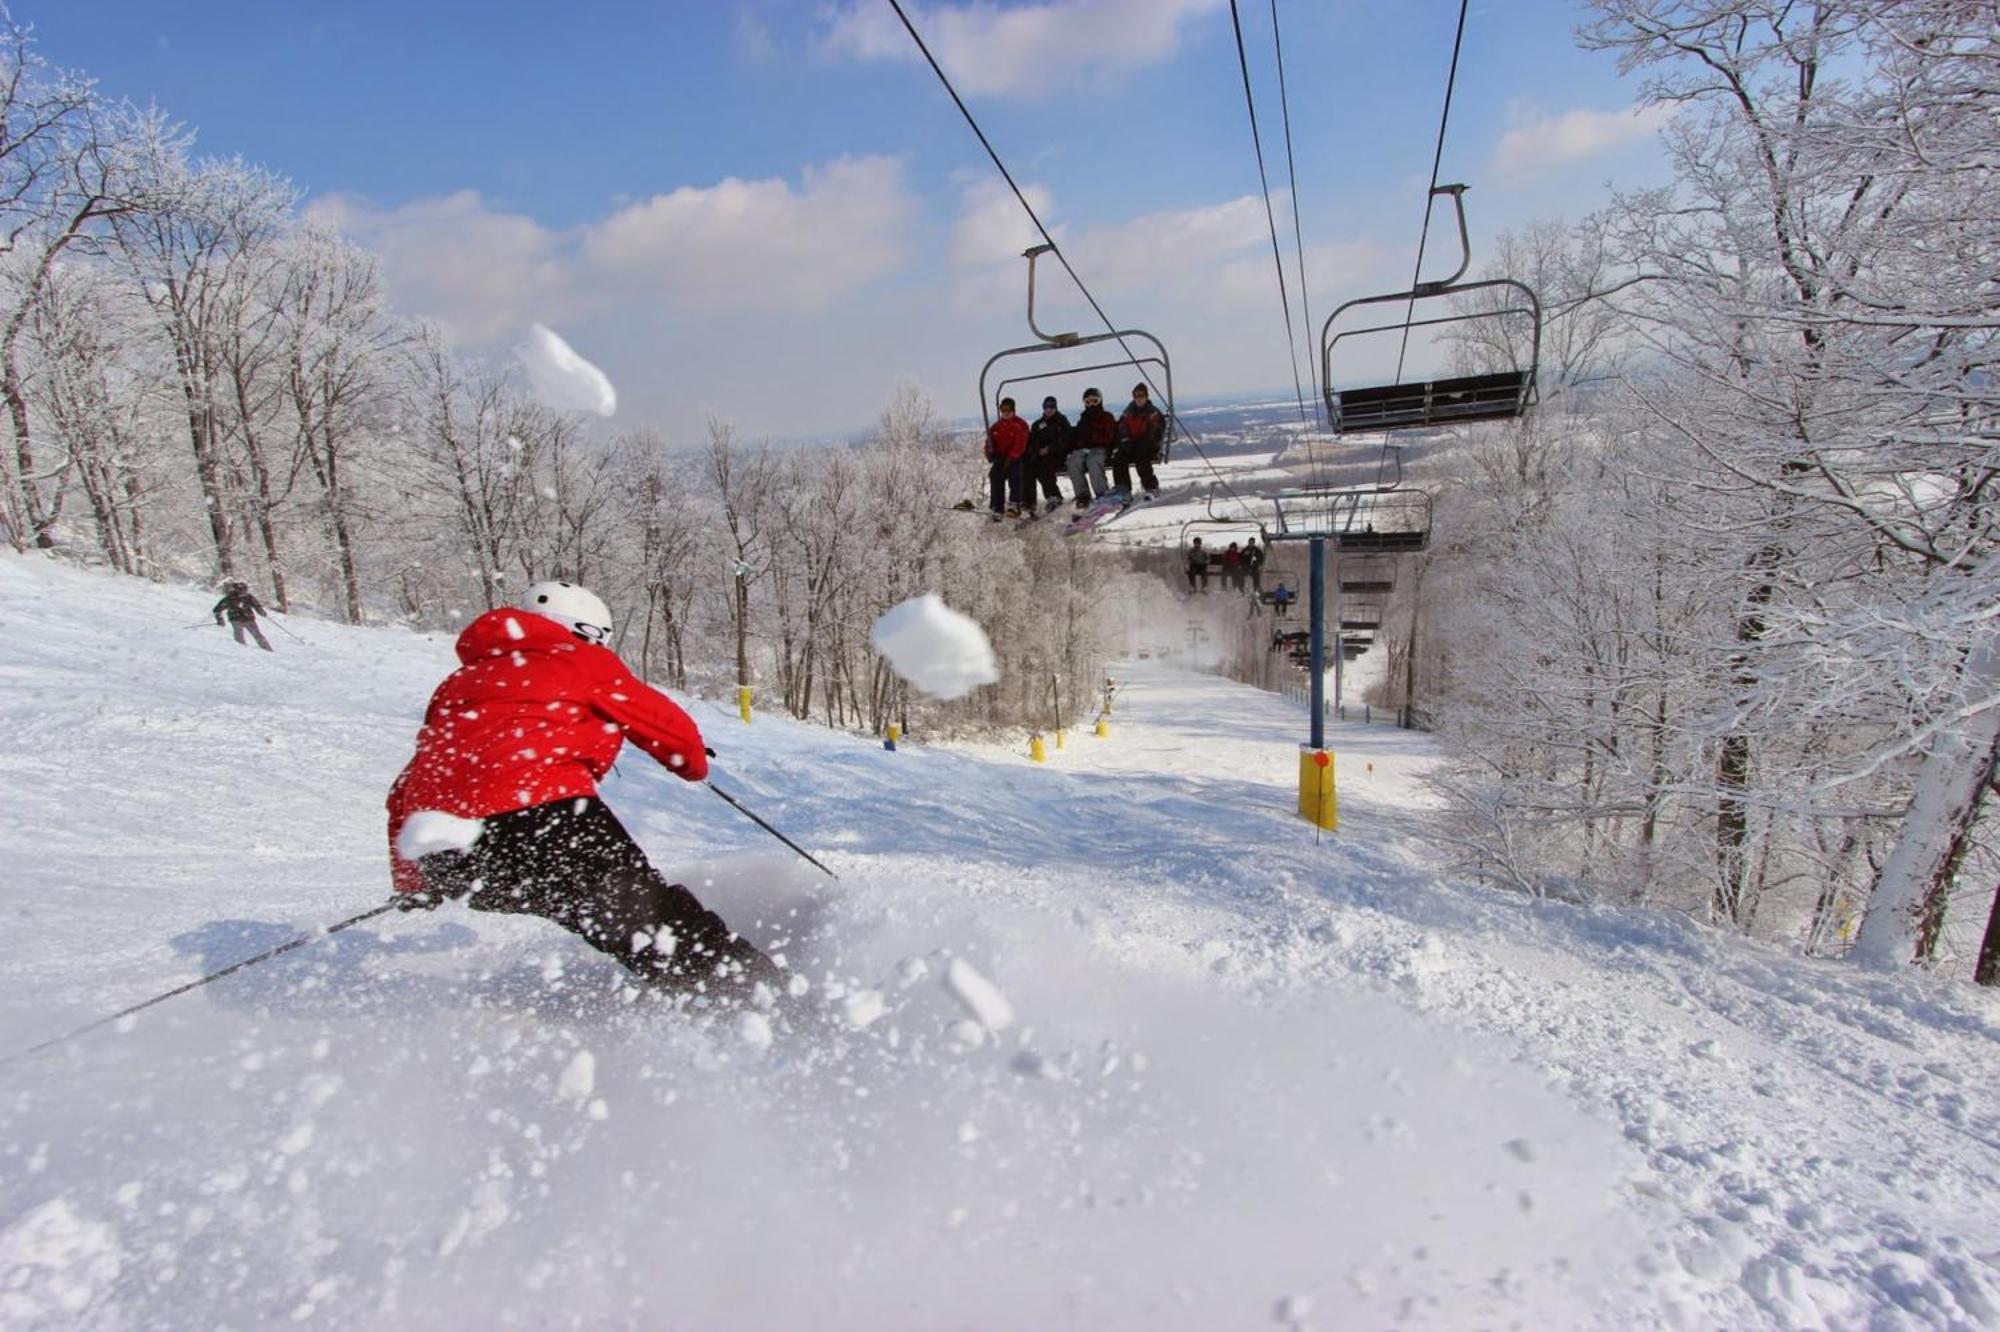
1111, 1042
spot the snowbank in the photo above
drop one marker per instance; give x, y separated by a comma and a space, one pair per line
1114, 1042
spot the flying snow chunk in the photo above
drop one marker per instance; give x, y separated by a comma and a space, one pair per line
579, 1077
978, 996
561, 379
429, 831
935, 648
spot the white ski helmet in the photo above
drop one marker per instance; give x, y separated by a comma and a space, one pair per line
575, 608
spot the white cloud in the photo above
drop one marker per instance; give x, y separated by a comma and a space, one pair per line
479, 273
992, 49
992, 227
1542, 144
1168, 247
753, 245
759, 243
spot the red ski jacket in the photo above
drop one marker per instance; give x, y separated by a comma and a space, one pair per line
535, 714
1007, 439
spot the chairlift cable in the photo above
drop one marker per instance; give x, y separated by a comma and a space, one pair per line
1050, 240
1270, 219
1430, 196
1298, 234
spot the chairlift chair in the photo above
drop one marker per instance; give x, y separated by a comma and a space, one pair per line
1368, 576
1367, 521
1361, 617
1215, 535
989, 398
1456, 400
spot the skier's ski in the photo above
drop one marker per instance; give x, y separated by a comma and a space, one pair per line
1116, 503
1033, 516
1101, 508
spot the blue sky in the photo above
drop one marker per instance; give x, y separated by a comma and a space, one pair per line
771, 212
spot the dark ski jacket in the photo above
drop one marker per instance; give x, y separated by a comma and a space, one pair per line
1095, 429
1007, 440
534, 714
1142, 427
240, 604
1048, 438
1253, 557
1198, 559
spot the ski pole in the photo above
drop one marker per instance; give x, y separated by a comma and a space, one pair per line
264, 956
287, 633
203, 625
745, 812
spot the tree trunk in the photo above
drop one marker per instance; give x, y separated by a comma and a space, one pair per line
1988, 970
1930, 917
1950, 784
39, 523
267, 529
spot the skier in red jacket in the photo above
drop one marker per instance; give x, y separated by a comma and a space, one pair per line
517, 739
1006, 457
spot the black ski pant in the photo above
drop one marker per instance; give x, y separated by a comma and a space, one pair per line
1005, 482
572, 862
241, 626
1135, 457
1042, 470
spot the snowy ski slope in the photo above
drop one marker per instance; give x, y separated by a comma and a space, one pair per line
1250, 1080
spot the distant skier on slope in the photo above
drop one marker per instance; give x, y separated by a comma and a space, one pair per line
518, 737
243, 608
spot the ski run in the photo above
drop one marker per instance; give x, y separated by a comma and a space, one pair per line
1112, 1041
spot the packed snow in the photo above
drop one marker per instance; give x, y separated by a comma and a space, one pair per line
940, 651
430, 831
1116, 1041
563, 380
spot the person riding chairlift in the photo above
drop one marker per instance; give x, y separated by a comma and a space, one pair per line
1006, 458
1091, 442
1141, 431
1048, 450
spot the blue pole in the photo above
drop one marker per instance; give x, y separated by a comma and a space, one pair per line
1318, 630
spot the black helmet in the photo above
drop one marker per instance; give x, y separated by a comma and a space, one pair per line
1090, 393
1049, 401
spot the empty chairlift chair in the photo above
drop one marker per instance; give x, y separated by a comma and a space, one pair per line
1368, 576
1364, 522
1431, 403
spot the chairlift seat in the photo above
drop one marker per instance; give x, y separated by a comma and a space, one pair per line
1390, 541
1437, 402
1378, 587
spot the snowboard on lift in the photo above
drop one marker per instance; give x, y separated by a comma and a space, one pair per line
1111, 502
1115, 502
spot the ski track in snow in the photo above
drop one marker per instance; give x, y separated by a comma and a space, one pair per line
1249, 1079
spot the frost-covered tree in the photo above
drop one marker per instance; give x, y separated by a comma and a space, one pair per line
1820, 307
